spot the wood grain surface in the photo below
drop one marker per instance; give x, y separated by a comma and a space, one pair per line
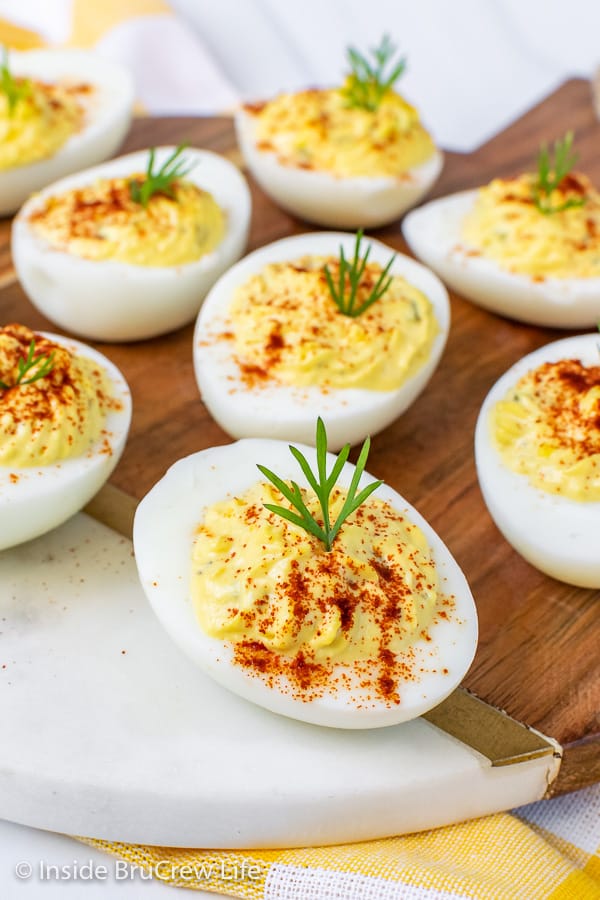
538, 652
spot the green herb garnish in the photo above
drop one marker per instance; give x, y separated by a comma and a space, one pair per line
345, 293
161, 181
322, 484
42, 364
368, 82
550, 174
15, 90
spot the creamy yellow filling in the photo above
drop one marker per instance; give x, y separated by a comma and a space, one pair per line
548, 428
40, 123
506, 226
264, 584
56, 417
286, 327
317, 129
102, 222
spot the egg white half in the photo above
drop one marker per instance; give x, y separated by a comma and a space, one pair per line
282, 411
107, 117
434, 234
35, 499
325, 199
164, 528
108, 300
555, 534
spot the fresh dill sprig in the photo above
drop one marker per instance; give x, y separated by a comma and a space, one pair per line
368, 82
345, 293
42, 364
161, 181
15, 90
551, 170
322, 484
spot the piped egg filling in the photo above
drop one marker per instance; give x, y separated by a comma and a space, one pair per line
548, 428
41, 120
102, 221
319, 129
342, 620
507, 226
286, 328
54, 417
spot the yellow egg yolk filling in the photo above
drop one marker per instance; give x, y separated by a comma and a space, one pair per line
505, 225
40, 123
287, 328
323, 620
548, 428
102, 222
318, 129
56, 417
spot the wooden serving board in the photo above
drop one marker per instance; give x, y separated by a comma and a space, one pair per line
538, 653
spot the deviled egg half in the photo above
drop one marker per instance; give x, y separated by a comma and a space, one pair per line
519, 249
60, 111
273, 346
64, 417
366, 628
347, 157
537, 448
127, 250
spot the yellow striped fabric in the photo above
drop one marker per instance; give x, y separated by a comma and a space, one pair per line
546, 851
88, 22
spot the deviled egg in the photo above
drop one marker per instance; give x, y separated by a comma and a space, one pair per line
360, 627
526, 247
347, 157
64, 417
537, 448
127, 250
60, 111
273, 346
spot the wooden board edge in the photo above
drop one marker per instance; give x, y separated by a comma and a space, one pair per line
7, 277
596, 91
491, 732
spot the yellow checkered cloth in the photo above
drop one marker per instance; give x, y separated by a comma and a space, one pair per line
546, 851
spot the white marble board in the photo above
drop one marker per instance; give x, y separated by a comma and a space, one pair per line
108, 731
